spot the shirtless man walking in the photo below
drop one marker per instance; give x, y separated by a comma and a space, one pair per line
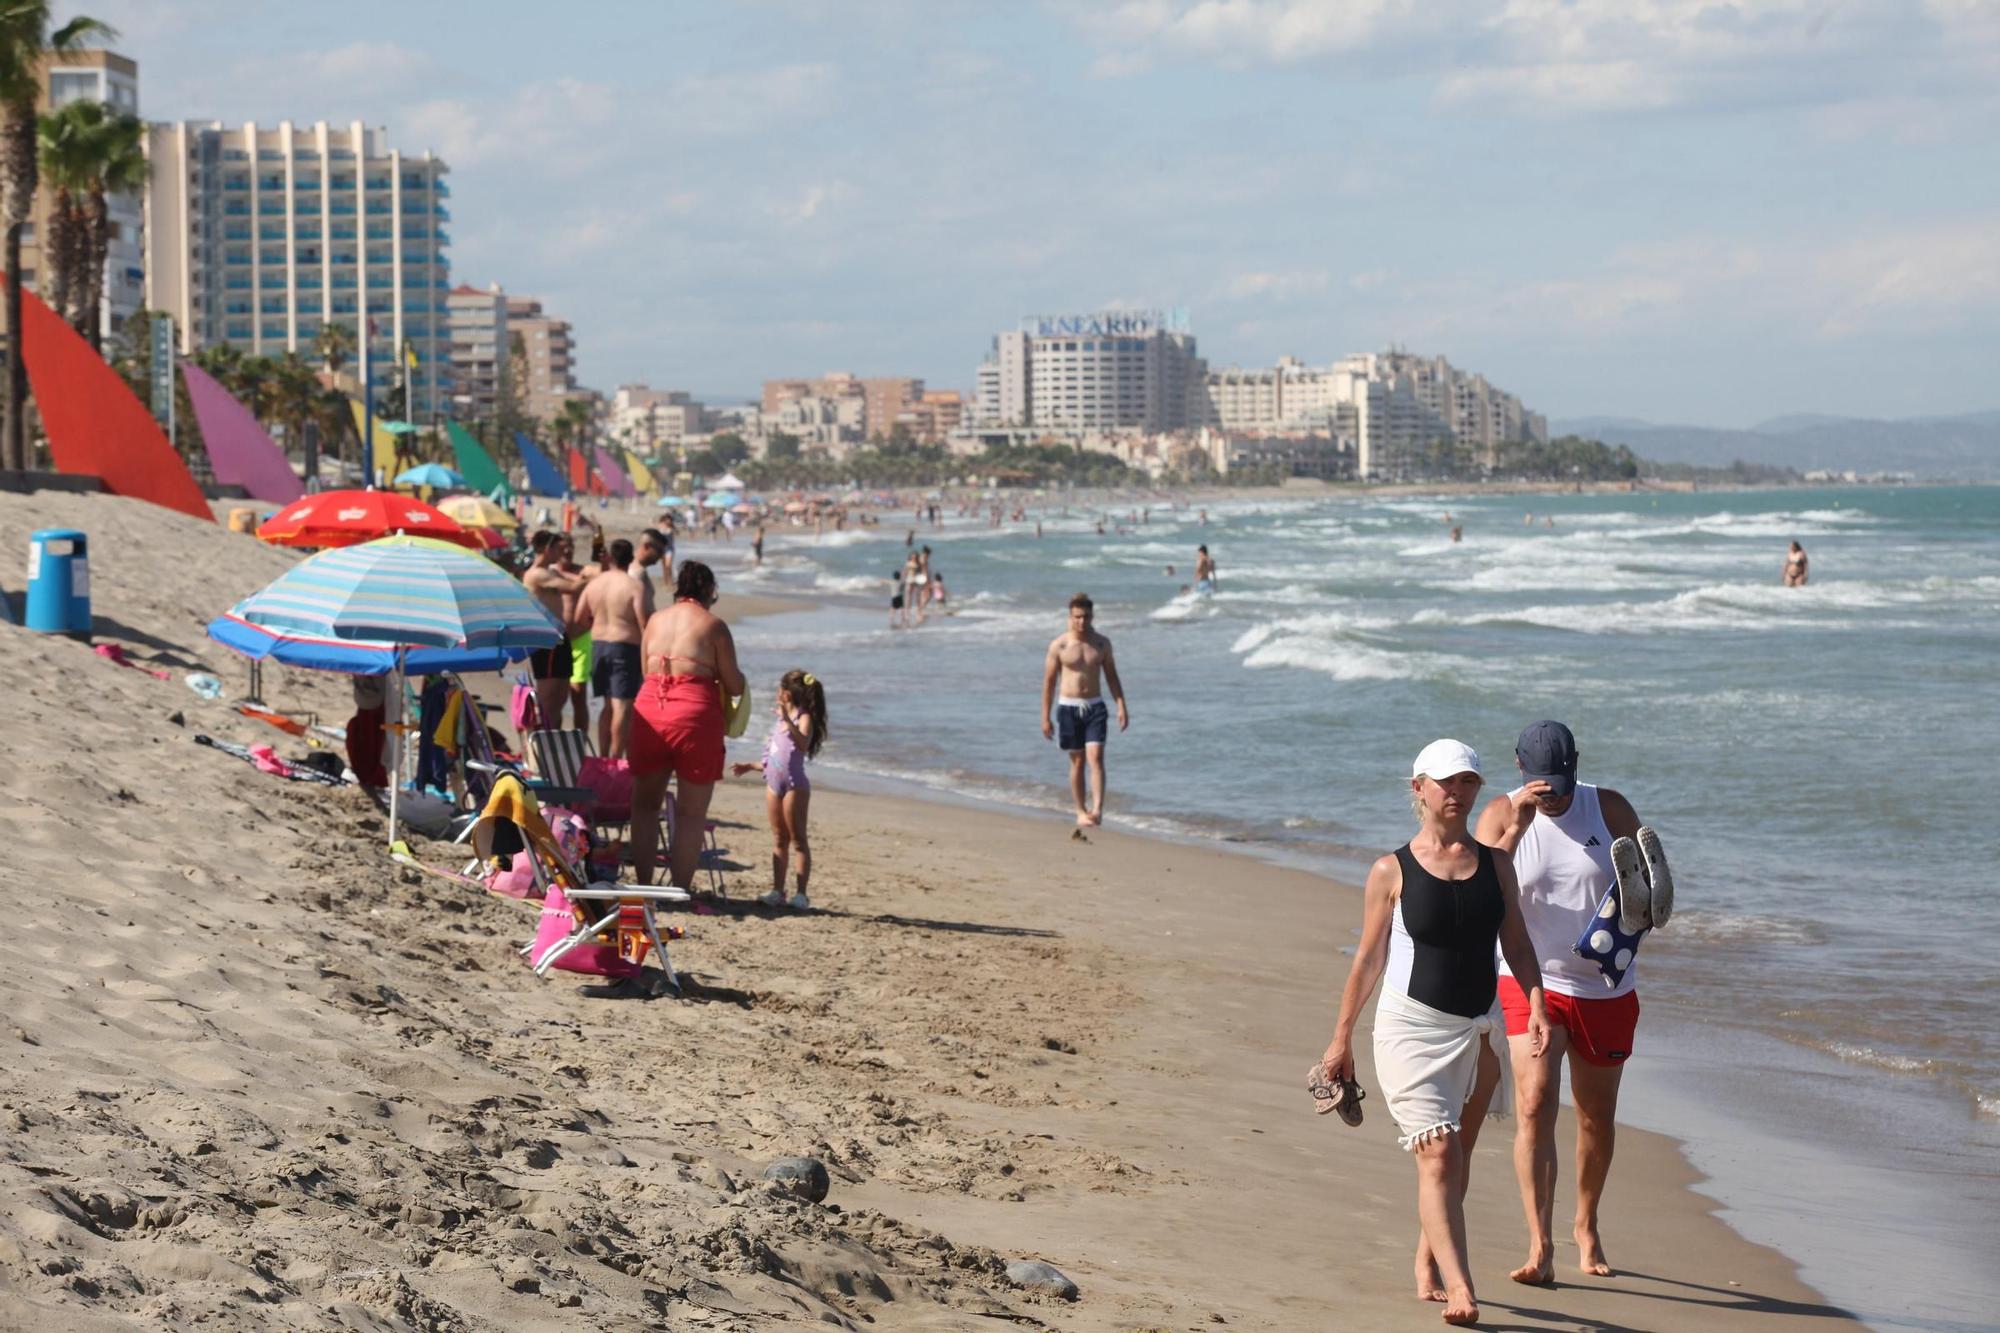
615, 607
1077, 658
1559, 833
550, 586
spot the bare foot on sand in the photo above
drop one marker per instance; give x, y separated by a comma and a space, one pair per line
1094, 819
1590, 1253
1429, 1288
1461, 1308
1539, 1271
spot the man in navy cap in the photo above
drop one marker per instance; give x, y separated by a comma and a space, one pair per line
1559, 832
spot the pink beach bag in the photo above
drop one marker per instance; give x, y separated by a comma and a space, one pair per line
599, 960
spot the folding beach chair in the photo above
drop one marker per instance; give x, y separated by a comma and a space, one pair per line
618, 916
559, 757
479, 766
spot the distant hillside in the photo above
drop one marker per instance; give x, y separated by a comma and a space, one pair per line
1964, 447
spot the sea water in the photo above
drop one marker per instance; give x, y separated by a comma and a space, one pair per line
1819, 761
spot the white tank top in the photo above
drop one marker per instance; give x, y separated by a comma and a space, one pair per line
1564, 865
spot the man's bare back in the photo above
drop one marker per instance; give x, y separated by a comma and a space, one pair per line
617, 605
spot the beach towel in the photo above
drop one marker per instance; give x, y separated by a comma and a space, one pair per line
1426, 1061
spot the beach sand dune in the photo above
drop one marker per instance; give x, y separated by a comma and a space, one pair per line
258, 1076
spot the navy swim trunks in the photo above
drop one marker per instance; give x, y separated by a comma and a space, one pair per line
1080, 723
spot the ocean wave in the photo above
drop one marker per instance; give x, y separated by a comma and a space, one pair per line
849, 583
1868, 1055
1184, 607
1987, 1103
1351, 661
1700, 925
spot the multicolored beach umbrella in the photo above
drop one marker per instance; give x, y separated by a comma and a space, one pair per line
416, 601
409, 591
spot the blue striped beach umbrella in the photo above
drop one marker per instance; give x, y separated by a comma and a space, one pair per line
395, 604
415, 592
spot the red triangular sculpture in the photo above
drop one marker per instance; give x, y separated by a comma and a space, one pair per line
96, 427
579, 473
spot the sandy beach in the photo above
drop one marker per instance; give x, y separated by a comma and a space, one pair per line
261, 1077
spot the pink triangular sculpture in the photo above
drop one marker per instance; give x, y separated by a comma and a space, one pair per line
613, 476
95, 424
238, 449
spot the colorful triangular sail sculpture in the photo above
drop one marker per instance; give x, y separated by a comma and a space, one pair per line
614, 476
95, 424
482, 475
543, 478
642, 476
239, 451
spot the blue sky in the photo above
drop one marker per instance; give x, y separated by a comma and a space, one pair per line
1685, 210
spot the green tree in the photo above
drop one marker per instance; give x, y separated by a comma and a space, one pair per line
24, 39
64, 153
728, 448
115, 163
782, 448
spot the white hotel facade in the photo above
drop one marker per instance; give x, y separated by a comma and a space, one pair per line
1123, 371
1112, 370
256, 236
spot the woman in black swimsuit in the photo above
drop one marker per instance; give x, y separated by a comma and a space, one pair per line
1433, 911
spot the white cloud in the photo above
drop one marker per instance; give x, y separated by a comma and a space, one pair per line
1579, 56
1276, 286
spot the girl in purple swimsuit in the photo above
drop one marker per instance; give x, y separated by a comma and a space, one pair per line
796, 737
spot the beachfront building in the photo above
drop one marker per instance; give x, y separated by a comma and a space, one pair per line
885, 402
477, 350
1390, 411
257, 236
1111, 370
549, 345
645, 418
92, 76
932, 415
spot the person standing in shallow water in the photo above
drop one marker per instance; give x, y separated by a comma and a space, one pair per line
1432, 913
1795, 566
1077, 660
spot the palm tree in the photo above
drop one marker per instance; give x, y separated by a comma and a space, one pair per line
572, 423
64, 162
335, 345
118, 166
24, 38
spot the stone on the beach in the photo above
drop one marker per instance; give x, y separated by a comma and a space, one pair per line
803, 1176
1035, 1275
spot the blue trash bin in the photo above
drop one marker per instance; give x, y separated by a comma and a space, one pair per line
59, 581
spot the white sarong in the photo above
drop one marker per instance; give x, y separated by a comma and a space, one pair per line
1427, 1061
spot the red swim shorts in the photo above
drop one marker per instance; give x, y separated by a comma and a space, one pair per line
1600, 1031
678, 728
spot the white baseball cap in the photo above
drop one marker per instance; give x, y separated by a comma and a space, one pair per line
1444, 759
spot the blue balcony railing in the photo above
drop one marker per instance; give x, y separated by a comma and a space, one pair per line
237, 284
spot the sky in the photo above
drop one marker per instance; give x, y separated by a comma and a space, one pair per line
1697, 211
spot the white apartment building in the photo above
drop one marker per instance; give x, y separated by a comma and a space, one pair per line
644, 418
258, 236
1390, 407
477, 350
1112, 370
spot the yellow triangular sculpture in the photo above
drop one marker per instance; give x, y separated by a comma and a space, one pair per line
642, 476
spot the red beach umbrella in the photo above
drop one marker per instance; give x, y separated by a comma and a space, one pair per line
346, 518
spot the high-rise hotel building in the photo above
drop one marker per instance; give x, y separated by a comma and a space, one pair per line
257, 236
1113, 370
